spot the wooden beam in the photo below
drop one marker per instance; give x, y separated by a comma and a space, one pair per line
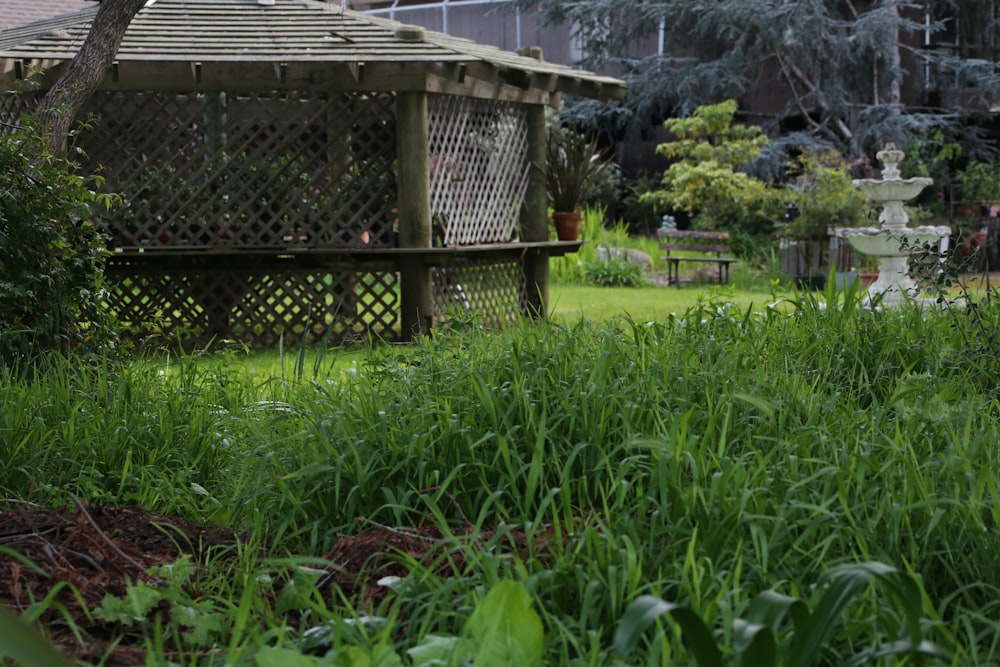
534, 216
254, 77
515, 77
486, 90
414, 206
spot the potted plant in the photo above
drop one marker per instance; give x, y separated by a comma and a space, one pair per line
575, 167
980, 185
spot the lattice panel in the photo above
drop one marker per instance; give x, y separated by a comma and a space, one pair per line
269, 170
479, 168
205, 307
494, 293
12, 107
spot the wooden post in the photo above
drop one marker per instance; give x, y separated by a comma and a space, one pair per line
414, 206
534, 216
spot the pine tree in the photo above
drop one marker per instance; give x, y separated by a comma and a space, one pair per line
843, 64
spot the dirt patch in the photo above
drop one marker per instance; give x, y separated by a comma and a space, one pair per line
78, 556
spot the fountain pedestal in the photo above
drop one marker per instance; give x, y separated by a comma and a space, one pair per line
894, 284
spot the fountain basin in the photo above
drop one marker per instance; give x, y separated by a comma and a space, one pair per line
894, 284
892, 190
881, 243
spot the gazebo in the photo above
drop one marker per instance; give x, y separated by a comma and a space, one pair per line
292, 168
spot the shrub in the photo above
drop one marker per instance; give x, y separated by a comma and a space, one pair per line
823, 196
51, 253
613, 273
707, 181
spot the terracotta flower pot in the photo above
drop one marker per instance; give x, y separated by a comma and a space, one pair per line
567, 224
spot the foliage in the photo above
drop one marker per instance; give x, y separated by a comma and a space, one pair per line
18, 640
704, 457
643, 216
502, 630
613, 271
980, 181
831, 58
822, 196
973, 315
705, 181
51, 253
932, 155
760, 639
569, 268
577, 170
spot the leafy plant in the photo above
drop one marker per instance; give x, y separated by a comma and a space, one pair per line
503, 630
973, 315
199, 621
822, 196
576, 168
705, 455
706, 179
613, 272
763, 639
980, 181
51, 253
19, 641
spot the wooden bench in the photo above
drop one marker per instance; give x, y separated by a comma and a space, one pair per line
714, 247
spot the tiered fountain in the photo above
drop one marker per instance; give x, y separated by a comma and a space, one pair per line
894, 283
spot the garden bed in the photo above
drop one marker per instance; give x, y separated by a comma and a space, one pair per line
80, 555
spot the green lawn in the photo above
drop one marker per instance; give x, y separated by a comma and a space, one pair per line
573, 302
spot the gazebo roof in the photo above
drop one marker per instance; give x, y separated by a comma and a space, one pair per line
294, 44
15, 13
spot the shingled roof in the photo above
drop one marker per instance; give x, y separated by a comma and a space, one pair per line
15, 13
226, 43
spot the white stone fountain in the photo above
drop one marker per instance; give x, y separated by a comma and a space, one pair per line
894, 283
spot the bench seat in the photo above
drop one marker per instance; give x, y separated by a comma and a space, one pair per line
715, 244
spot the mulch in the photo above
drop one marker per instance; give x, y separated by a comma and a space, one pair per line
81, 554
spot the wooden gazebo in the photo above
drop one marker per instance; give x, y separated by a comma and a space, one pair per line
299, 169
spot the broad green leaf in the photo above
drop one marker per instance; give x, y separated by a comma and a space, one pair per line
434, 650
770, 608
349, 656
755, 643
384, 655
282, 657
297, 593
644, 611
901, 647
506, 630
845, 582
19, 641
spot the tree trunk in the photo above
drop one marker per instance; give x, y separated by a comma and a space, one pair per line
58, 110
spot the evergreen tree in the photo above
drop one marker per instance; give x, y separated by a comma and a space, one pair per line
844, 65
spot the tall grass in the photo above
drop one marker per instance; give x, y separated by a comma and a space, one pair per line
702, 459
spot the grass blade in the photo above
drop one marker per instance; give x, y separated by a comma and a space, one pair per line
644, 611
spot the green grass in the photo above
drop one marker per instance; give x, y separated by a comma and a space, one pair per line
568, 303
711, 459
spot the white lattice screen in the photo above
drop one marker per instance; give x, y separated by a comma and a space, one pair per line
479, 168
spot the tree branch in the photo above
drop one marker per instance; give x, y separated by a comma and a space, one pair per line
789, 69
